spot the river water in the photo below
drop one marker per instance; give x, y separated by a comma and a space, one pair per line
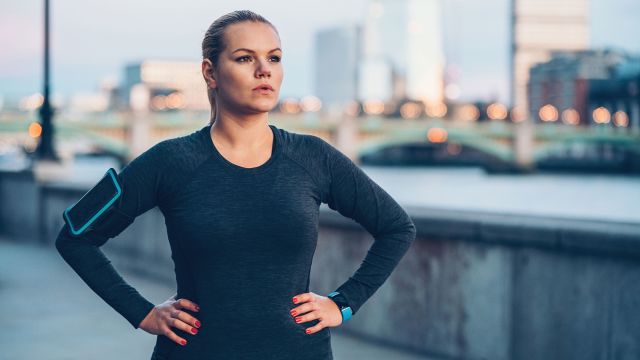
588, 196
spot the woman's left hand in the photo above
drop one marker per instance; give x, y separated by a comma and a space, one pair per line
313, 306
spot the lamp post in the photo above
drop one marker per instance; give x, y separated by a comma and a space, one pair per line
45, 150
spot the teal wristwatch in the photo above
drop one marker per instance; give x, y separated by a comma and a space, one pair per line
342, 305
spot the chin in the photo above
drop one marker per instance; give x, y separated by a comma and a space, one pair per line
263, 106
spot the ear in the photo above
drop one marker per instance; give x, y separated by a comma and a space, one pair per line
208, 73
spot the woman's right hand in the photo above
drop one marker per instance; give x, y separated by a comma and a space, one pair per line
170, 314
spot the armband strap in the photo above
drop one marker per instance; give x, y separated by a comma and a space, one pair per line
97, 211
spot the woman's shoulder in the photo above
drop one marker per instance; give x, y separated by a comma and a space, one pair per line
183, 145
177, 154
305, 145
168, 164
315, 154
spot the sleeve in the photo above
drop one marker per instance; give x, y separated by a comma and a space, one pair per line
354, 195
140, 182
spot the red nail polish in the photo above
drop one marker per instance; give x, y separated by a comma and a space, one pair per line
183, 342
293, 312
298, 320
295, 300
197, 308
194, 331
197, 323
307, 331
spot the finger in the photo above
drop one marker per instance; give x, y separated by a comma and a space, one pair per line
302, 298
307, 317
179, 324
305, 308
187, 304
185, 317
177, 339
314, 329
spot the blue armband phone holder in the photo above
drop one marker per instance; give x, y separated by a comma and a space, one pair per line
96, 209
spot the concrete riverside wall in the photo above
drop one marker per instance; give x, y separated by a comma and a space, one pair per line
19, 201
472, 286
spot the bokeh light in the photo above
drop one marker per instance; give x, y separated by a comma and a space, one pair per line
437, 110
310, 104
548, 113
373, 107
410, 110
468, 112
497, 111
621, 119
571, 116
601, 115
290, 106
35, 130
437, 135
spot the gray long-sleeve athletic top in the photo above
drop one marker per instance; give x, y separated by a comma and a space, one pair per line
242, 240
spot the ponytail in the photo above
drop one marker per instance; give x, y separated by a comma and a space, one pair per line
211, 93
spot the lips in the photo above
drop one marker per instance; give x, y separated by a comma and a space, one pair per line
263, 87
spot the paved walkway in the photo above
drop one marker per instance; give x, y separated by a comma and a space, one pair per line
49, 313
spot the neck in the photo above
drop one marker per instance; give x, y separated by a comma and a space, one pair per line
241, 132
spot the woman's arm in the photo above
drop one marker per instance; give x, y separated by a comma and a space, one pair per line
353, 194
140, 182
90, 263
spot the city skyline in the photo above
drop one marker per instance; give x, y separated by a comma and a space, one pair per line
482, 71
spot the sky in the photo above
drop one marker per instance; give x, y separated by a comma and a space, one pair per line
93, 40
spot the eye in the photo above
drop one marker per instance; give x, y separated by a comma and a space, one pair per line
240, 59
275, 58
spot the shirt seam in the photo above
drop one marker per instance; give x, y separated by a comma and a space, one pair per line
308, 174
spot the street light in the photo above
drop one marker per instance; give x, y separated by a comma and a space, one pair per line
45, 149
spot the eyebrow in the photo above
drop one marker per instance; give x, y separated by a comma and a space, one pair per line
251, 51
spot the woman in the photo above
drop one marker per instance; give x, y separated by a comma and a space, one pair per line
241, 200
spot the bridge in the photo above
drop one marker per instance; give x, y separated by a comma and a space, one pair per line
125, 136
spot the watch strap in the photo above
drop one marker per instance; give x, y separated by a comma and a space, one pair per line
344, 307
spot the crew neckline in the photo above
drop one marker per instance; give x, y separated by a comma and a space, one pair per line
275, 151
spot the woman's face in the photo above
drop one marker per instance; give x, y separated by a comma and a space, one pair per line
251, 58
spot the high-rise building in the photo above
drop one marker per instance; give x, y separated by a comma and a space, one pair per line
425, 58
336, 56
539, 27
573, 84
402, 52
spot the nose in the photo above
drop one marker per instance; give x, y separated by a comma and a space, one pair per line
263, 70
